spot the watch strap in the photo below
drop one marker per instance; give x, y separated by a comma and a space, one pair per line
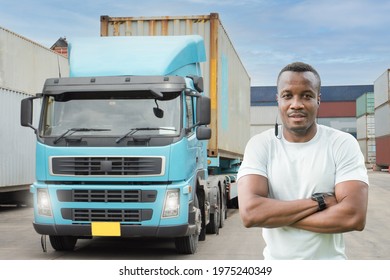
320, 198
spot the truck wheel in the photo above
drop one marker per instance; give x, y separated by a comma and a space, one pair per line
202, 235
215, 218
63, 243
223, 211
186, 244
233, 203
189, 244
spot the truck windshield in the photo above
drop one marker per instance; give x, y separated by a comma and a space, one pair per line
111, 117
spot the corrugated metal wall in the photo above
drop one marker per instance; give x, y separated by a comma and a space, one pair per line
17, 143
263, 118
346, 124
382, 119
382, 89
365, 104
365, 126
24, 67
344, 109
226, 81
383, 151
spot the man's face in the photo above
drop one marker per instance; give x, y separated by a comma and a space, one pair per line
298, 101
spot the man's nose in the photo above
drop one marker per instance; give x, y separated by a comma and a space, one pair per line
296, 103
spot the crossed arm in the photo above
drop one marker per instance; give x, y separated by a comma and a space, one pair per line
346, 211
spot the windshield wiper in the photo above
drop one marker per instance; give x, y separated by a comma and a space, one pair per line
70, 131
134, 130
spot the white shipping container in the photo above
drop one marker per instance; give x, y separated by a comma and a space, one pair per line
365, 127
382, 89
344, 124
226, 80
264, 115
382, 120
257, 129
368, 150
17, 143
25, 65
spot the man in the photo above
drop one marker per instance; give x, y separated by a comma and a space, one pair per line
303, 183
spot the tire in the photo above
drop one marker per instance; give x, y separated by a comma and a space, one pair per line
233, 204
189, 244
202, 235
223, 212
186, 244
215, 218
63, 243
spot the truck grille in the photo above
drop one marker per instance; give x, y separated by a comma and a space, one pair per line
104, 195
107, 166
107, 215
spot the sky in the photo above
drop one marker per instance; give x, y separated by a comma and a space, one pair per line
347, 41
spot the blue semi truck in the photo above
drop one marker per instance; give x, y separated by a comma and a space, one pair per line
122, 145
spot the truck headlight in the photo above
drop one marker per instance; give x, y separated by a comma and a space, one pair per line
171, 204
43, 202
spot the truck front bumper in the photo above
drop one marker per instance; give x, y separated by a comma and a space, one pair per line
85, 230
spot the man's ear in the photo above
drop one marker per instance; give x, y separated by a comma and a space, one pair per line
319, 99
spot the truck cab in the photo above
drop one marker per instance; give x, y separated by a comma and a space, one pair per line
121, 144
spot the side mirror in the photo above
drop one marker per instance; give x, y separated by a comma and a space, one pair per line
198, 83
203, 110
26, 112
203, 133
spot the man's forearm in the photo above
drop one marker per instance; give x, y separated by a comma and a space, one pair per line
271, 213
335, 219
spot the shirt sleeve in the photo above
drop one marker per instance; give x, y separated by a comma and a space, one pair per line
255, 157
349, 161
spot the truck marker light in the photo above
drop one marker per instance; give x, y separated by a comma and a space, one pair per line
187, 190
171, 204
43, 202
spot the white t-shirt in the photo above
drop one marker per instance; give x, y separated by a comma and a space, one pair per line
296, 171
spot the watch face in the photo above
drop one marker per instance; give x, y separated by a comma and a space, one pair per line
316, 196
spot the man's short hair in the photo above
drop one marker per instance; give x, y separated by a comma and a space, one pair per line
300, 67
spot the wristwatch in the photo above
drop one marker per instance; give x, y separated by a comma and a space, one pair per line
320, 198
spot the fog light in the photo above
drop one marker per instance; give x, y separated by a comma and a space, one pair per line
43, 202
172, 203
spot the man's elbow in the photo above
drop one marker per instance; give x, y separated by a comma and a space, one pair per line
248, 218
357, 223
360, 224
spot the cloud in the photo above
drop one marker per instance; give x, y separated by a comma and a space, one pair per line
349, 36
346, 14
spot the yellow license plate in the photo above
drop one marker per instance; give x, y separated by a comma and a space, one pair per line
106, 229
